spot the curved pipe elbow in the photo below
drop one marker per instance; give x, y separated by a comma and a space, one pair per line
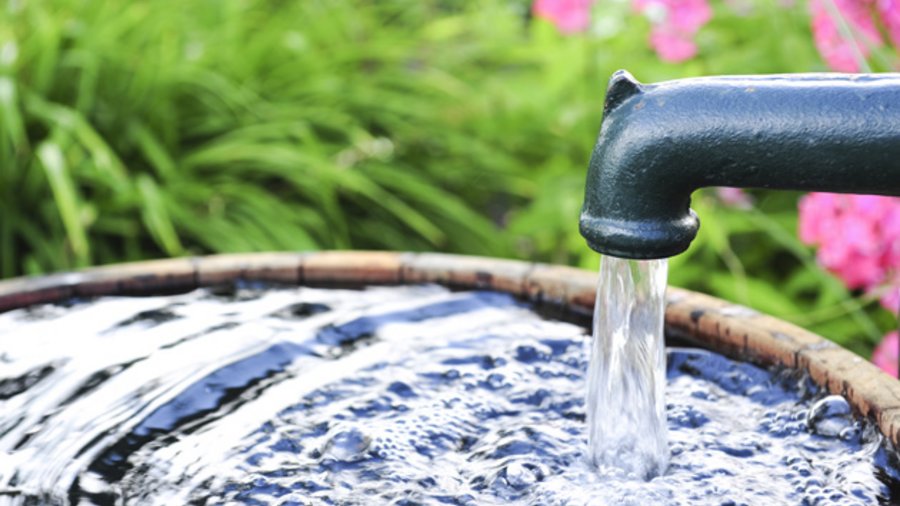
660, 142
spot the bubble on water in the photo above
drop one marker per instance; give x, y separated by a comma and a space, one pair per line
686, 416
401, 390
347, 445
830, 416
520, 476
851, 433
493, 381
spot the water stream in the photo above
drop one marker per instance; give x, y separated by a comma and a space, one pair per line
626, 409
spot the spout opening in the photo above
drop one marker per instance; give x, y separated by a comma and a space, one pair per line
639, 239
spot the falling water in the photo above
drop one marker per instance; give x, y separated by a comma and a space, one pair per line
626, 408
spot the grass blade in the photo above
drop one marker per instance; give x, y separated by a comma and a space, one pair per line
156, 218
65, 194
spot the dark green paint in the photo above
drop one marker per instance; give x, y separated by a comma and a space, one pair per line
660, 142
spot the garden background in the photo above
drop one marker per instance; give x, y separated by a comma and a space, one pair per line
137, 129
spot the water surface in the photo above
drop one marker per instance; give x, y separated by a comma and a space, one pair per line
402, 396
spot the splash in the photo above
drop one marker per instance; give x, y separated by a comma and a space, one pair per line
626, 408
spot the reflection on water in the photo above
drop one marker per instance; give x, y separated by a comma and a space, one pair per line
406, 395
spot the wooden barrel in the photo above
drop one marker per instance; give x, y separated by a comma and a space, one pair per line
727, 328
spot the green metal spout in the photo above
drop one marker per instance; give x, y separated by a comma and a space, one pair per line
660, 142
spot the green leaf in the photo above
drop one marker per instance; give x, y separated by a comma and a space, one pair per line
65, 195
156, 217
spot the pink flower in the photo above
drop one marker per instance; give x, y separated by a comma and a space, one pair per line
887, 354
844, 53
816, 210
858, 238
734, 197
889, 10
672, 46
675, 24
569, 16
688, 16
891, 298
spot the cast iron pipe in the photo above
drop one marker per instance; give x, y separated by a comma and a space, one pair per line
660, 142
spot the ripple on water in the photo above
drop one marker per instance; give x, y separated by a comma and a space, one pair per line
402, 396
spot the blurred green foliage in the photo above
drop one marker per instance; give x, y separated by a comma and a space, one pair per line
136, 129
